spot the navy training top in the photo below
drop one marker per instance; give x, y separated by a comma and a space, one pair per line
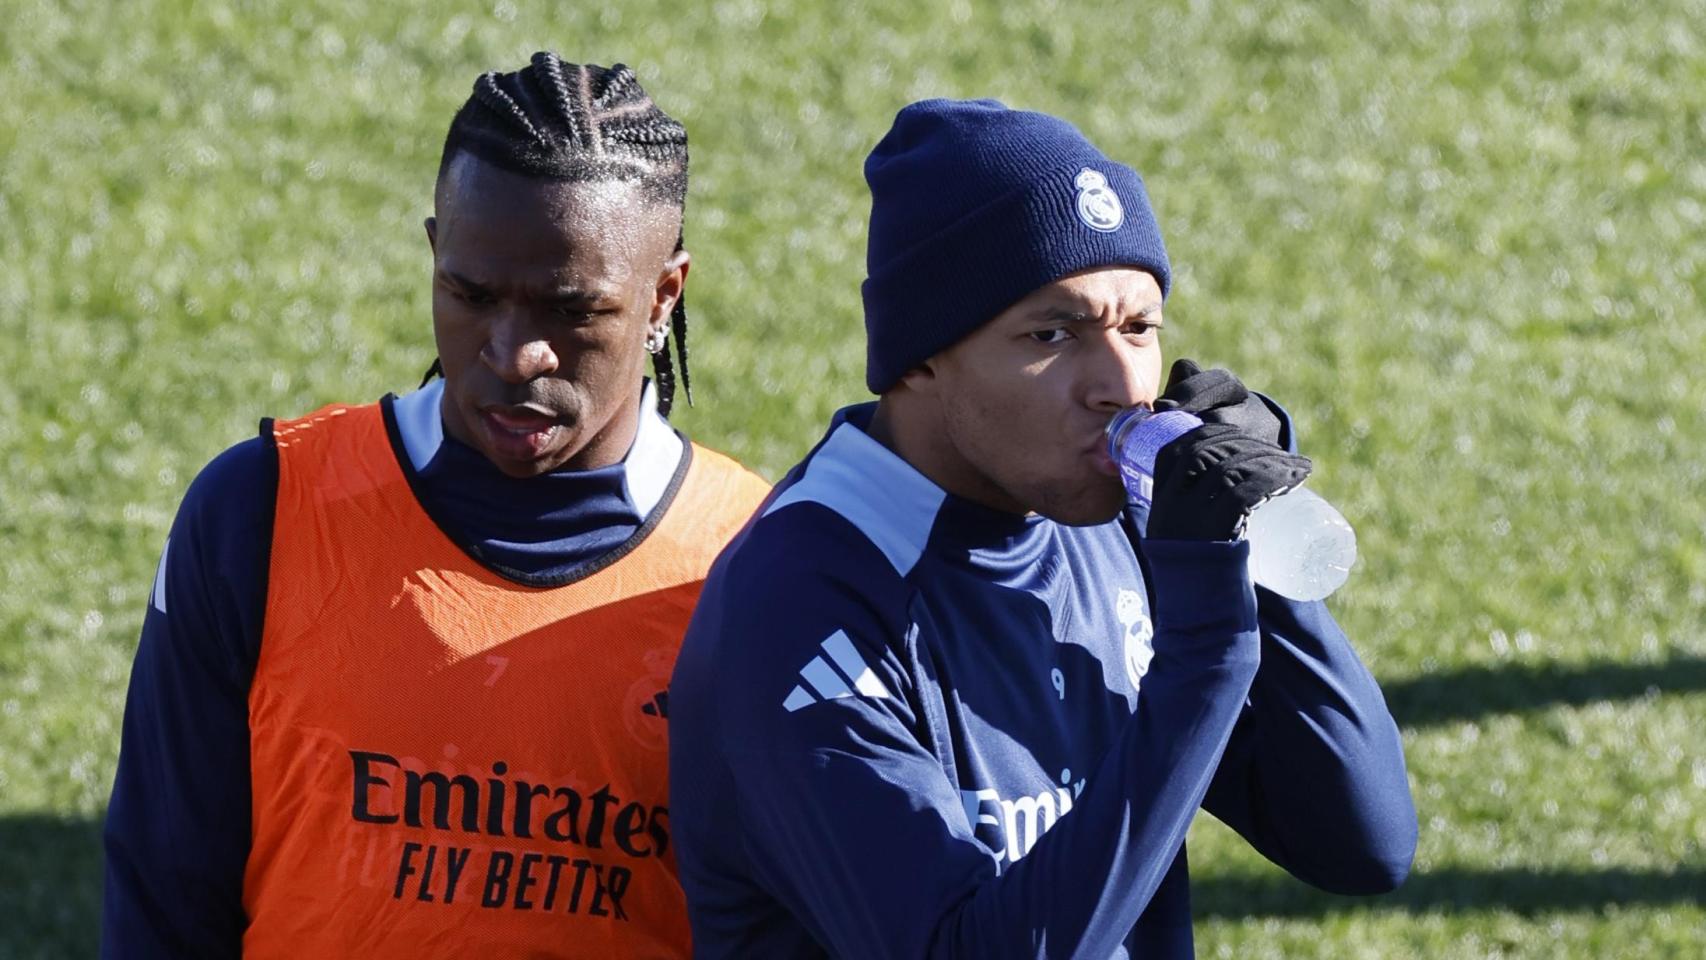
904, 725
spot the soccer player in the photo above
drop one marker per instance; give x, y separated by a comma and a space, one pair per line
949, 696
401, 685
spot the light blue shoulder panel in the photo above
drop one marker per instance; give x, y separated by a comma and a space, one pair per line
885, 497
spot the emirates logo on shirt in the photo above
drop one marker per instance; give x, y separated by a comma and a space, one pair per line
590, 827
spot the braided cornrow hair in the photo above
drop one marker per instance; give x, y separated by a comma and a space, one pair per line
573, 123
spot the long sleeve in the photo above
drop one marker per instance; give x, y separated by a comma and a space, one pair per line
177, 829
847, 819
1314, 776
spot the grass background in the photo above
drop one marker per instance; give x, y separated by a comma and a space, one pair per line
1464, 242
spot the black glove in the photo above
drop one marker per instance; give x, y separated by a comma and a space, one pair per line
1207, 481
1217, 396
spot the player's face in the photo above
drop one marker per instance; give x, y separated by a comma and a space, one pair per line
1025, 398
543, 295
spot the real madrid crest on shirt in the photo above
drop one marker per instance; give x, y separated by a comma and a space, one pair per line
1132, 608
1098, 206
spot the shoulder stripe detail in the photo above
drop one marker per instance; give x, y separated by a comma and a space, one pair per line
420, 423
888, 500
822, 682
160, 577
655, 455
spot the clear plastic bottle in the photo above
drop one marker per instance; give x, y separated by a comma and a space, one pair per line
1300, 546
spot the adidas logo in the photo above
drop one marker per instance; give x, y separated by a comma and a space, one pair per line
824, 682
657, 706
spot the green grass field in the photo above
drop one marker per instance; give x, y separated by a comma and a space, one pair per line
1464, 242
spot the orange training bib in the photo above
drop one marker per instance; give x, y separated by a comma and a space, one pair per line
447, 763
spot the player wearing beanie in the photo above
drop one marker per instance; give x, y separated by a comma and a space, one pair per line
400, 686
949, 696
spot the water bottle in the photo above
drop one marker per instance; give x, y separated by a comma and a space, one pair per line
1300, 547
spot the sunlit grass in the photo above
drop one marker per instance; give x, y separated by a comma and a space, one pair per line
1465, 243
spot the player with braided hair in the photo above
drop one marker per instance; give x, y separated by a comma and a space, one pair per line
401, 685
599, 125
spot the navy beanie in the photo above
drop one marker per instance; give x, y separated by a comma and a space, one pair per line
975, 205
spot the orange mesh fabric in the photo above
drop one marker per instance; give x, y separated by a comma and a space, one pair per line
444, 762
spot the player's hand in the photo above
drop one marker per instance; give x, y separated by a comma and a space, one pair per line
1207, 482
1216, 396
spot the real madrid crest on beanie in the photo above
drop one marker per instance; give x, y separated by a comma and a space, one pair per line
973, 206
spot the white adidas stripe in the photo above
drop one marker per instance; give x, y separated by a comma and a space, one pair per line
825, 681
822, 682
865, 680
798, 698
